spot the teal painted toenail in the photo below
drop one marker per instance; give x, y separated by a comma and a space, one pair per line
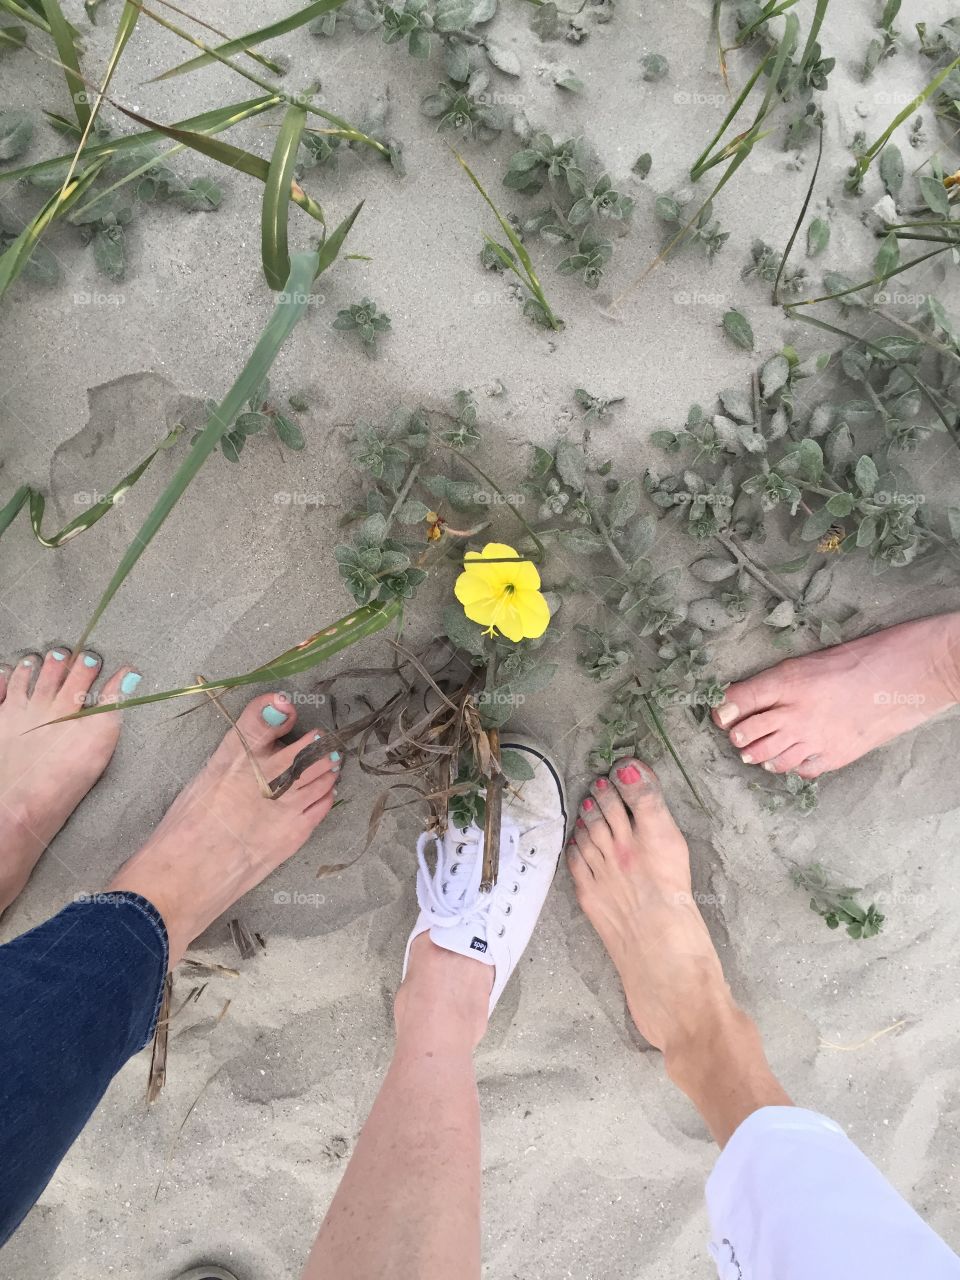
56, 654
89, 660
273, 717
334, 756
130, 681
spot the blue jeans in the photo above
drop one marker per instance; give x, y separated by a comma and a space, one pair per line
78, 996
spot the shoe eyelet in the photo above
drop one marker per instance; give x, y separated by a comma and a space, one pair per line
515, 889
501, 931
523, 868
507, 909
460, 849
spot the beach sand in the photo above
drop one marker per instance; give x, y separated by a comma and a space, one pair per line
593, 1164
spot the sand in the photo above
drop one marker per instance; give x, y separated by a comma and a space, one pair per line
593, 1164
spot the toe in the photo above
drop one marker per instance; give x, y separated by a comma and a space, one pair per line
638, 785
579, 869
329, 764
755, 727
284, 755
18, 686
588, 857
122, 684
592, 820
611, 806
743, 699
787, 761
317, 799
765, 749
79, 680
266, 719
812, 767
53, 669
5, 672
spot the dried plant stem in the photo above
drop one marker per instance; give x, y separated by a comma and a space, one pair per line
492, 817
730, 544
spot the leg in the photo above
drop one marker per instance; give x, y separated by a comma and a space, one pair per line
80, 994
409, 1203
46, 771
820, 712
408, 1207
791, 1197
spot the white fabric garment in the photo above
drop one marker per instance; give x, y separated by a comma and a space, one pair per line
792, 1198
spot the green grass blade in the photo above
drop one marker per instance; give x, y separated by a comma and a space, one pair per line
519, 248
359, 625
276, 198
63, 38
697, 168
207, 122
14, 258
665, 739
855, 288
808, 49
799, 222
243, 43
288, 310
25, 15
26, 495
868, 157
355, 135
227, 154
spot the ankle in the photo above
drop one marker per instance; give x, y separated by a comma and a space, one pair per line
723, 1070
442, 1003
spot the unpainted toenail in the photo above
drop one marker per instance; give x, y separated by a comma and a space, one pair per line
630, 774
587, 804
746, 758
27, 662
737, 739
602, 784
770, 767
727, 712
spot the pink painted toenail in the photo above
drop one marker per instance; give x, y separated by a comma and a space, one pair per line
629, 774
581, 823
587, 804
727, 713
602, 784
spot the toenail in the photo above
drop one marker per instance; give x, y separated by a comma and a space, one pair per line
587, 804
89, 660
602, 784
727, 712
737, 738
770, 767
272, 716
334, 756
630, 774
746, 758
27, 662
581, 823
57, 654
130, 682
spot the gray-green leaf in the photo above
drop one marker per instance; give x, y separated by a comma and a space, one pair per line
738, 330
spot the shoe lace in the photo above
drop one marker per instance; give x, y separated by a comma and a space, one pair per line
450, 894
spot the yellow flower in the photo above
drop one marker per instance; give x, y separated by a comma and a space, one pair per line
502, 597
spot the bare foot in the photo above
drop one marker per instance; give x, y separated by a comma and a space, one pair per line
221, 837
45, 772
631, 868
820, 712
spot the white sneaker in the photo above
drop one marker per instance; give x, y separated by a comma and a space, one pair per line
495, 927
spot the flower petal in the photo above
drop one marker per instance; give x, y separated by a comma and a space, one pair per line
534, 613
